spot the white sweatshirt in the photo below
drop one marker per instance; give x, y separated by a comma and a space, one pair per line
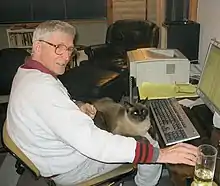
51, 130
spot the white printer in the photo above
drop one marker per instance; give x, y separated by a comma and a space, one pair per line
162, 66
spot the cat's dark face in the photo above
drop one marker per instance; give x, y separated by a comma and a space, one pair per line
138, 112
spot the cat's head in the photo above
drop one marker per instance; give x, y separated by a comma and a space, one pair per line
138, 112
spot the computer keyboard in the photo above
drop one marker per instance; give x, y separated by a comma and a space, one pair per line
172, 122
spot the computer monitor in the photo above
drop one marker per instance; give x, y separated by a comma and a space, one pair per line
209, 84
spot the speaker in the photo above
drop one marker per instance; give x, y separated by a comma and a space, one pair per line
176, 10
184, 36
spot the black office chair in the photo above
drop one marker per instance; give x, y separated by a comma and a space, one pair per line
10, 60
131, 34
122, 36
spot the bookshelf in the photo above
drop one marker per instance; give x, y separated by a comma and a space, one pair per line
20, 38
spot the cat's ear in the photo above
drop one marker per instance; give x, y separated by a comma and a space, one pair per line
127, 105
145, 101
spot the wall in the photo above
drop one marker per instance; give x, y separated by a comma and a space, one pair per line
208, 17
152, 10
88, 33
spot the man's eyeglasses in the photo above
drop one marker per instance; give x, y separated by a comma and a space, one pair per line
61, 48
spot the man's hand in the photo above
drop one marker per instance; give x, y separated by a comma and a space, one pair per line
181, 153
88, 109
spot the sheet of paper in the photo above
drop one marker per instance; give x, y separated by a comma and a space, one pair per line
159, 91
191, 103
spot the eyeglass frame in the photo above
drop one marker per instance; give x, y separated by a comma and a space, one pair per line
73, 53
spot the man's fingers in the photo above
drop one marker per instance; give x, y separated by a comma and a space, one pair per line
188, 151
191, 160
186, 158
188, 146
191, 157
93, 109
188, 162
91, 115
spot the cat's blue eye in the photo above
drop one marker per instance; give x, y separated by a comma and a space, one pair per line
144, 111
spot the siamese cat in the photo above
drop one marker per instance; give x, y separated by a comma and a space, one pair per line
124, 119
132, 120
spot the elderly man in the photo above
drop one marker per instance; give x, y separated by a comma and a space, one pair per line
58, 135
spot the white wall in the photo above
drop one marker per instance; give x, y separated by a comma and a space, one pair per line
91, 33
209, 19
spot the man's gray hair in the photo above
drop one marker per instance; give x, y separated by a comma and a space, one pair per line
45, 29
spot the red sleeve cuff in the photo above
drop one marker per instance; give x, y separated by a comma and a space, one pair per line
143, 153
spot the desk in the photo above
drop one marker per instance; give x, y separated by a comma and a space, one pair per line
201, 117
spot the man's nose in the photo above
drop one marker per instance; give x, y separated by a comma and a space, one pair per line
66, 56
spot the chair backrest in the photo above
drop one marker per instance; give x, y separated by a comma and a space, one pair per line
132, 34
17, 153
10, 60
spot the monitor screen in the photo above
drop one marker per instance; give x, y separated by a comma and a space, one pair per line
209, 85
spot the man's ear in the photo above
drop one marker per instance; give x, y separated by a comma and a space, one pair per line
36, 46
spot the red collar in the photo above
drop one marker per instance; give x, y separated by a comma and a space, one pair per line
33, 64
